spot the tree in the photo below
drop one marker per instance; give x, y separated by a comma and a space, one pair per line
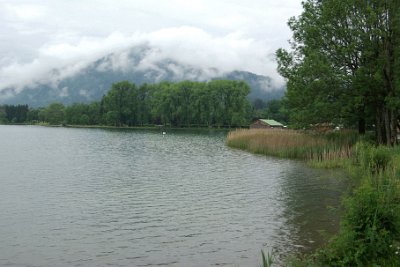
93, 113
74, 113
3, 115
54, 114
258, 104
32, 115
120, 100
343, 66
228, 105
143, 105
16, 114
183, 104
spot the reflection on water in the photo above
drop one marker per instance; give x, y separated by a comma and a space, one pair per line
92, 197
312, 200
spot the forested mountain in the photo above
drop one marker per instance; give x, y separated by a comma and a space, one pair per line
92, 82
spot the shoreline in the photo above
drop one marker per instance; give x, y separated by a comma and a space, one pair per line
370, 222
145, 127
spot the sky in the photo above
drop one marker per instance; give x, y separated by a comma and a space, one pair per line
43, 40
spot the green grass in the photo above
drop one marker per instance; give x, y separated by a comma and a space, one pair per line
266, 260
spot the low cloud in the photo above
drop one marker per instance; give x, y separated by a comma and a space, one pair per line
57, 61
190, 46
25, 12
43, 41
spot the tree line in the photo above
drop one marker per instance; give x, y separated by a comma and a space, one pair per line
220, 103
344, 66
14, 114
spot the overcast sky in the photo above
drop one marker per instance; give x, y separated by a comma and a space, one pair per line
39, 36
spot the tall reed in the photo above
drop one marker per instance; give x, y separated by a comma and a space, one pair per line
293, 144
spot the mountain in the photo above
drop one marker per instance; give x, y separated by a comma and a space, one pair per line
93, 81
261, 86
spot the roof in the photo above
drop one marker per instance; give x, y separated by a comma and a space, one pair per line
272, 123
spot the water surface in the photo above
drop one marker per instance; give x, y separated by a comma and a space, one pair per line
95, 197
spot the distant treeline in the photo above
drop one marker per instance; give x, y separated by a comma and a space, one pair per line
14, 114
221, 103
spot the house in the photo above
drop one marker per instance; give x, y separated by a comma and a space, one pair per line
266, 124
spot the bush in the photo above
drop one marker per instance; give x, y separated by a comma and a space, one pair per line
371, 159
370, 230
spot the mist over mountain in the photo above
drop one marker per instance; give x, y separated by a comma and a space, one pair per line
138, 65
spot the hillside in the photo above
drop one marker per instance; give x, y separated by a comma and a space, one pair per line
93, 81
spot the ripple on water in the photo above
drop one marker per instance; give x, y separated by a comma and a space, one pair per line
86, 197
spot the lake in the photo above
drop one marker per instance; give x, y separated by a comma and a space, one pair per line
101, 197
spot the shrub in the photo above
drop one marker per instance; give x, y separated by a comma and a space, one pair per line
373, 160
370, 230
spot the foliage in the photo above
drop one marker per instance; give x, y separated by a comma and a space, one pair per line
370, 228
32, 115
344, 66
370, 234
3, 115
272, 109
183, 104
82, 114
53, 114
266, 260
13, 114
17, 114
219, 103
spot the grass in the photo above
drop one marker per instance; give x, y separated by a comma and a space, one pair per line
267, 260
370, 227
312, 147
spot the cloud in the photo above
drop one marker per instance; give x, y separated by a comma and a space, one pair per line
186, 45
194, 46
45, 41
26, 11
57, 61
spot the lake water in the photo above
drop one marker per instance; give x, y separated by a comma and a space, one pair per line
96, 197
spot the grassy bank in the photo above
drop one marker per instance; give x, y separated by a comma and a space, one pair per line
370, 227
329, 149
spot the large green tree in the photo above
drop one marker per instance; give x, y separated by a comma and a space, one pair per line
344, 65
119, 105
53, 114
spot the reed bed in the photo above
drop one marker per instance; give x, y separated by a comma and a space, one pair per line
293, 144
